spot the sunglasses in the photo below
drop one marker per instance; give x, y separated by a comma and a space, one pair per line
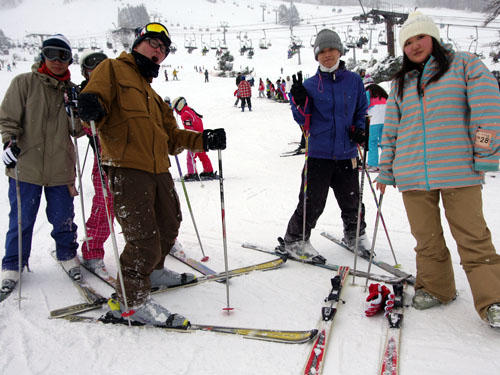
90, 62
155, 43
56, 53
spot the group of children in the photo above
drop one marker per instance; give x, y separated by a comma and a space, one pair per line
279, 91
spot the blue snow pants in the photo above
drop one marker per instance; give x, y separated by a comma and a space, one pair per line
60, 213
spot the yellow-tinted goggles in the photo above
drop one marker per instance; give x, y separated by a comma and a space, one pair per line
155, 28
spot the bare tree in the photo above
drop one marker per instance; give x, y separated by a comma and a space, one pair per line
492, 10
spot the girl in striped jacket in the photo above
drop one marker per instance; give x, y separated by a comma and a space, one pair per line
441, 133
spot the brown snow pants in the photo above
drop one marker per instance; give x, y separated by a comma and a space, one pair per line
147, 207
464, 212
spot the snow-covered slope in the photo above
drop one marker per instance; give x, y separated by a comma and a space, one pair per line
261, 192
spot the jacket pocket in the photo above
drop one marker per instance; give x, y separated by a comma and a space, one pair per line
131, 98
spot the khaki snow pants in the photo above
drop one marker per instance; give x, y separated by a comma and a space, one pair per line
147, 207
464, 212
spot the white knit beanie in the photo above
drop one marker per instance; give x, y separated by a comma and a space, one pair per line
416, 24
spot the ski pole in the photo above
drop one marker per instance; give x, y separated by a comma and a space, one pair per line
205, 258
381, 216
85, 158
110, 221
372, 250
361, 187
193, 160
19, 229
304, 216
224, 239
78, 170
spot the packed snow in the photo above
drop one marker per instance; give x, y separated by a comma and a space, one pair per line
261, 191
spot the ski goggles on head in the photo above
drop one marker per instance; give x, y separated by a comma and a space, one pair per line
91, 61
56, 53
158, 28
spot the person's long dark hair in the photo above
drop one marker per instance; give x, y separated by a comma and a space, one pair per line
443, 62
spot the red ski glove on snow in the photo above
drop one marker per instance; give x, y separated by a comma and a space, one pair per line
376, 300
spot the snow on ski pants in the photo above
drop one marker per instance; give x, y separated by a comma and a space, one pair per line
60, 213
342, 177
205, 161
147, 207
463, 209
97, 224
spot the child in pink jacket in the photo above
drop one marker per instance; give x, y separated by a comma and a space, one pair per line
192, 121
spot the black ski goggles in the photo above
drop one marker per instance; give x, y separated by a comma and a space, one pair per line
91, 61
56, 53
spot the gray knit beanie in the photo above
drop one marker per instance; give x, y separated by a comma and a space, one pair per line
327, 38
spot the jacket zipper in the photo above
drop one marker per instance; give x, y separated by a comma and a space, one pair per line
426, 171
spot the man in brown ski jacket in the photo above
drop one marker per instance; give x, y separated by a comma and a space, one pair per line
137, 132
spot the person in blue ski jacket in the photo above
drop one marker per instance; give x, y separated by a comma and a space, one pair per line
330, 107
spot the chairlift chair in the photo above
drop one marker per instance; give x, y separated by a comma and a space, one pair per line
382, 39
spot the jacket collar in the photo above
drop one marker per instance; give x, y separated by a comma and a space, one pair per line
46, 79
339, 73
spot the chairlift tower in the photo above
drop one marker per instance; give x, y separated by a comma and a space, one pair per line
224, 26
290, 18
263, 6
390, 19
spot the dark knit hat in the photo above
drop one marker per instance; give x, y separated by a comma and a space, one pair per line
154, 31
57, 40
327, 38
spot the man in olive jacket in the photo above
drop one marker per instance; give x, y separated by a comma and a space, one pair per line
137, 132
36, 132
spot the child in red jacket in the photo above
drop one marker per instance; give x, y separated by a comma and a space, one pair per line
192, 121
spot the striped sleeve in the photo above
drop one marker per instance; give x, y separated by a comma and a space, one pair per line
389, 137
483, 98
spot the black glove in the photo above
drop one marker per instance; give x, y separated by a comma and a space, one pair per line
214, 139
89, 107
358, 135
71, 101
298, 90
10, 153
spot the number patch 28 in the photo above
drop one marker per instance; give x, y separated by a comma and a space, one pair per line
484, 138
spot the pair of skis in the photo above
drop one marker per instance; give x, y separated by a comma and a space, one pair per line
391, 351
366, 255
389, 364
279, 336
317, 355
334, 267
97, 303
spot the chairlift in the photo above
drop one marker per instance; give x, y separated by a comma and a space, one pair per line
473, 40
93, 45
450, 41
313, 38
173, 48
250, 53
263, 42
382, 39
295, 42
214, 43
